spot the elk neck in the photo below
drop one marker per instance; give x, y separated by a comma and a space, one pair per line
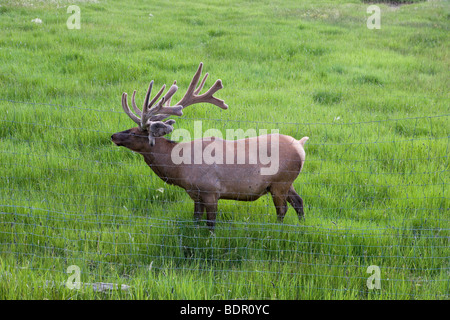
158, 158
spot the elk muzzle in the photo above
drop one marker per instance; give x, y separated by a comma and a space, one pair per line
115, 139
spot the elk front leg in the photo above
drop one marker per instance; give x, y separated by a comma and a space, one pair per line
199, 209
296, 202
210, 204
211, 211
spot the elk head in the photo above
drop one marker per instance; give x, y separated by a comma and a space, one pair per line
152, 118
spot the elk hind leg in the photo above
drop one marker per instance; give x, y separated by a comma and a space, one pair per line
296, 202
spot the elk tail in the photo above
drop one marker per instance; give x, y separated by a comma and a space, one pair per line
303, 140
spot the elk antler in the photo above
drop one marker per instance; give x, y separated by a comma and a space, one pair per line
152, 115
191, 96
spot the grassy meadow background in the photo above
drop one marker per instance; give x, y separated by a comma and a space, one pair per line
374, 103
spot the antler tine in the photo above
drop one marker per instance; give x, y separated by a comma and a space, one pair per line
147, 97
208, 96
149, 110
201, 84
133, 103
190, 91
167, 104
168, 96
195, 79
159, 111
157, 96
127, 110
192, 97
162, 110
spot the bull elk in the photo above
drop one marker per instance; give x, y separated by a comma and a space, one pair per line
242, 178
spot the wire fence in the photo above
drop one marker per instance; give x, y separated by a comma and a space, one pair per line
375, 194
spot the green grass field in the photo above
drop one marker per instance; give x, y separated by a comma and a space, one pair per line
374, 103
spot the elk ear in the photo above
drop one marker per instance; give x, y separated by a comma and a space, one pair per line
159, 128
170, 122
